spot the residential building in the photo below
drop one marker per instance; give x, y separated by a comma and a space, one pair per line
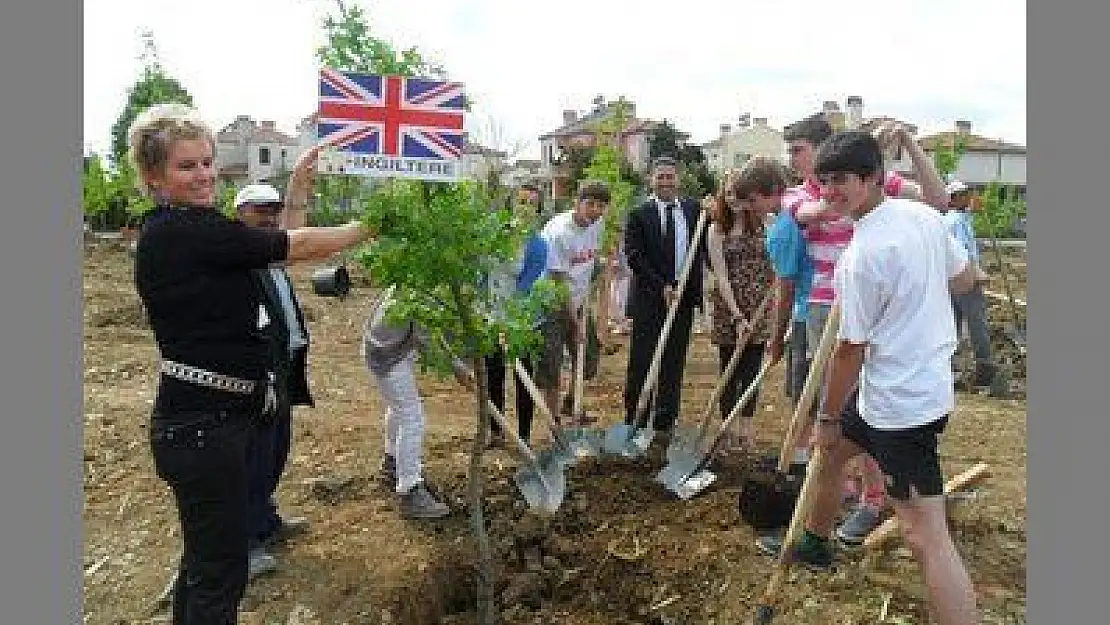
752, 137
581, 131
478, 162
524, 171
248, 151
985, 159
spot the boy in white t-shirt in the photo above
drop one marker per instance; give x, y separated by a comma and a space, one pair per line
573, 241
889, 384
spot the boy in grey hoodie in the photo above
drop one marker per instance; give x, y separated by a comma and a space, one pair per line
390, 351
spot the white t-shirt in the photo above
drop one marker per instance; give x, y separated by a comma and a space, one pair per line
892, 282
573, 250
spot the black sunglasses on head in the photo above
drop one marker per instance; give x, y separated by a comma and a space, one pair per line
270, 208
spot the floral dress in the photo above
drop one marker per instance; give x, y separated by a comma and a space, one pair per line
750, 275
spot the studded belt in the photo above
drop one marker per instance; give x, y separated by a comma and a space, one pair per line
201, 377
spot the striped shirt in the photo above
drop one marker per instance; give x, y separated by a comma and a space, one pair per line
826, 240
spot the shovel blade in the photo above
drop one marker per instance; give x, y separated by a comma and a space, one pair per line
559, 454
695, 485
616, 439
677, 471
684, 442
542, 489
584, 442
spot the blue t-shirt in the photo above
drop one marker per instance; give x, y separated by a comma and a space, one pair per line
534, 263
786, 245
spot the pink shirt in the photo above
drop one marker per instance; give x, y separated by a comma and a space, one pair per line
826, 240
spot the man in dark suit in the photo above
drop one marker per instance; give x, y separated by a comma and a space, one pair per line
658, 238
260, 206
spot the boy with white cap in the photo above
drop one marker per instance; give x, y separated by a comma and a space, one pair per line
970, 306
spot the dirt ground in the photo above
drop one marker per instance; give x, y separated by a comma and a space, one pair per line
362, 564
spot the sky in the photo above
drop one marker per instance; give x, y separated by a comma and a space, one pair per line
698, 63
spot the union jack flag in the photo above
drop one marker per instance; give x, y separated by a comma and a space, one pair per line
393, 116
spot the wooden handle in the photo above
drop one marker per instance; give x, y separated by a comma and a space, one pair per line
797, 523
809, 391
520, 444
749, 394
660, 347
579, 362
889, 528
537, 396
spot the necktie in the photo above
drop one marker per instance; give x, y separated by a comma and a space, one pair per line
669, 241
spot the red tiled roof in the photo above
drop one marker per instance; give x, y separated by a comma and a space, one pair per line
975, 143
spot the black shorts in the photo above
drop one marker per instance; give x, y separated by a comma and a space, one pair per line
906, 457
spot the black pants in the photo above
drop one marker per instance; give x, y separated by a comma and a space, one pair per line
203, 458
746, 370
495, 378
647, 325
267, 455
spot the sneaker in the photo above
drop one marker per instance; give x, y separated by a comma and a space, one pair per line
815, 555
419, 503
259, 563
860, 522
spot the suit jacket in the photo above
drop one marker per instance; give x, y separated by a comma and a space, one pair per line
291, 372
643, 244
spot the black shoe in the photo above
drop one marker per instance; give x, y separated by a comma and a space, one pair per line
814, 555
985, 374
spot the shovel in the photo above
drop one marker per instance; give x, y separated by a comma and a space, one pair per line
560, 451
582, 442
629, 441
684, 475
688, 439
765, 609
618, 439
542, 483
768, 497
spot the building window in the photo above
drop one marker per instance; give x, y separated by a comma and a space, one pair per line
283, 155
263, 156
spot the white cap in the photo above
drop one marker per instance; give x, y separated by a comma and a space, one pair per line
955, 187
257, 194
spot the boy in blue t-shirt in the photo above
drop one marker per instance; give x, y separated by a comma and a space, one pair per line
786, 247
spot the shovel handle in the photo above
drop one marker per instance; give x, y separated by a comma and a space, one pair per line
580, 361
886, 531
672, 311
809, 391
801, 511
749, 395
537, 396
525, 450
734, 361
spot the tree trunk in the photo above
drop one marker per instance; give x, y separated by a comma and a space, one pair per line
487, 610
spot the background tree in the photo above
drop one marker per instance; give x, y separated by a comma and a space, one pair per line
695, 179
435, 241
96, 191
1001, 208
609, 165
154, 86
